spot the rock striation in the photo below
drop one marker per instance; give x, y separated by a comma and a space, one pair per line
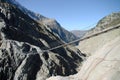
58, 30
22, 42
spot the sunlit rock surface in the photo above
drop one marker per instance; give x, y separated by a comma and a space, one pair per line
104, 55
22, 42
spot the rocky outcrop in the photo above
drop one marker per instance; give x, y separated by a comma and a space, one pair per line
97, 42
58, 30
103, 64
108, 21
22, 42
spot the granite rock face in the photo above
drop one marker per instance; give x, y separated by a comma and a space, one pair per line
22, 42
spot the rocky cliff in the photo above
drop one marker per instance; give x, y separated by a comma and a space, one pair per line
58, 29
22, 42
103, 64
98, 41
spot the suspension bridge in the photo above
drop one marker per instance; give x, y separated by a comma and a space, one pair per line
87, 37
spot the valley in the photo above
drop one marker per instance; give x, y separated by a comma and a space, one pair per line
35, 47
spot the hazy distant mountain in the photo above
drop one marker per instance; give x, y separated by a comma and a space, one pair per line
79, 33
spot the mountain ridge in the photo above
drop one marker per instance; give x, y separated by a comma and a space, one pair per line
79, 33
102, 52
22, 42
56, 28
65, 35
107, 22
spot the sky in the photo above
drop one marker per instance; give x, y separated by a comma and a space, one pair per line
73, 14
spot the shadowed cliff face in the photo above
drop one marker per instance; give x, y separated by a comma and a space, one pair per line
21, 43
59, 30
53, 25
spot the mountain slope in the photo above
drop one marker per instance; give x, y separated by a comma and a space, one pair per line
52, 24
22, 41
103, 64
60, 31
98, 41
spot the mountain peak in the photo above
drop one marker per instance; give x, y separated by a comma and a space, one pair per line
109, 21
